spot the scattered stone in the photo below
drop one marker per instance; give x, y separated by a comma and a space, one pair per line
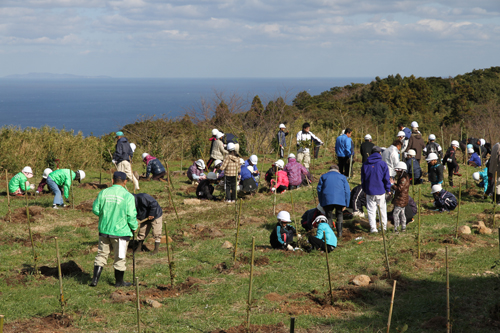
185, 234
361, 280
213, 232
153, 303
478, 224
199, 227
192, 201
484, 231
227, 245
464, 230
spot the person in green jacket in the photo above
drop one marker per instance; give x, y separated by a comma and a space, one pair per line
115, 207
17, 185
62, 178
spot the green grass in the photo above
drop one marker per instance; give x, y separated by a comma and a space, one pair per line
220, 302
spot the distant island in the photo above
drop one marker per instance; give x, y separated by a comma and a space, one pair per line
53, 76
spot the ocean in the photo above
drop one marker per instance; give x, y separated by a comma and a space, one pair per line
100, 106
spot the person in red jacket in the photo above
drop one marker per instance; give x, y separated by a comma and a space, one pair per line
282, 184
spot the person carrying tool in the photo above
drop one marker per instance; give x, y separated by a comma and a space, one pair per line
43, 182
19, 184
123, 156
153, 167
62, 178
115, 207
148, 208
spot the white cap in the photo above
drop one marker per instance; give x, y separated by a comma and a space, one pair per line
280, 164
320, 208
318, 220
282, 126
401, 166
242, 161
431, 157
401, 133
475, 176
368, 137
215, 131
432, 137
254, 159
217, 162
436, 188
28, 172
230, 146
46, 173
470, 150
414, 124
483, 141
284, 216
412, 152
144, 155
291, 155
211, 176
219, 135
133, 146
200, 164
455, 143
82, 174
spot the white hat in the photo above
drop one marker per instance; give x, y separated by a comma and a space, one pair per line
436, 188
401, 133
401, 166
82, 174
144, 155
280, 164
455, 143
242, 161
470, 150
46, 173
368, 137
412, 152
200, 164
27, 169
219, 135
432, 137
483, 141
282, 126
133, 146
284, 216
291, 155
320, 208
475, 176
414, 124
211, 176
230, 146
254, 159
431, 157
318, 220
217, 162
215, 131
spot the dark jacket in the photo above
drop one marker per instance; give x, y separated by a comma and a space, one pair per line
416, 143
450, 158
445, 201
412, 164
155, 167
333, 189
436, 173
229, 137
358, 199
270, 174
308, 217
401, 189
281, 237
123, 152
282, 138
407, 132
375, 178
205, 190
366, 150
146, 206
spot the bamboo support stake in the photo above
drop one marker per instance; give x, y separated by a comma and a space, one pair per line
138, 304
442, 136
29, 229
328, 271
61, 294
182, 154
249, 302
466, 177
392, 304
8, 196
237, 234
378, 143
385, 247
173, 204
418, 238
458, 211
448, 324
169, 180
1, 323
71, 187
290, 145
275, 191
412, 179
133, 255
293, 211
170, 257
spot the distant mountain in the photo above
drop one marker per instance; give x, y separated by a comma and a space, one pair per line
53, 76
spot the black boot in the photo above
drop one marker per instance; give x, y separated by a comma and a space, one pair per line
97, 275
339, 229
157, 247
138, 246
119, 279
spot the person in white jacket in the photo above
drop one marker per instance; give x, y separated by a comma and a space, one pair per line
391, 157
305, 140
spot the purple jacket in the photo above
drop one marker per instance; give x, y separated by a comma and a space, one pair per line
193, 170
375, 176
294, 170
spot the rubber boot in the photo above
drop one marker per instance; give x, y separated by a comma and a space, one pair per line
339, 229
157, 247
138, 246
119, 279
97, 275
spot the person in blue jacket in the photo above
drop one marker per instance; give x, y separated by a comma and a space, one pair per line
482, 178
444, 201
413, 167
344, 148
282, 234
407, 131
123, 156
334, 193
248, 173
474, 159
376, 182
318, 241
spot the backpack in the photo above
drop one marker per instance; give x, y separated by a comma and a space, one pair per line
432, 148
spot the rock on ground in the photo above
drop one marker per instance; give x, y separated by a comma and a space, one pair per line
153, 303
465, 230
227, 245
361, 280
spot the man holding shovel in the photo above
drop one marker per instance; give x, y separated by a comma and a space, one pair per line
148, 209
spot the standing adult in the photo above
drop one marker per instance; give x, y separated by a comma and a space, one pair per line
433, 147
406, 130
230, 166
122, 157
494, 169
375, 181
334, 193
450, 158
305, 140
403, 139
282, 133
391, 157
294, 170
148, 208
212, 140
416, 142
218, 151
115, 207
344, 150
366, 147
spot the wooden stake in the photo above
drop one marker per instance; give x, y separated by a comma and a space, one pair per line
418, 238
448, 323
61, 294
173, 205
8, 196
293, 211
182, 154
276, 190
412, 179
466, 177
170, 257
292, 324
1, 323
328, 270
29, 229
133, 254
378, 143
495, 199
385, 247
71, 187
138, 304
290, 145
249, 302
458, 212
168, 176
237, 234
392, 304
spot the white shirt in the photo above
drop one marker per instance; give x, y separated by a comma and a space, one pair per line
303, 136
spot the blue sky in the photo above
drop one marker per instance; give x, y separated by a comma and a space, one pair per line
249, 38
